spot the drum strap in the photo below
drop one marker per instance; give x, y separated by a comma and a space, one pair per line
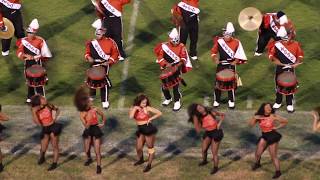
10, 5
30, 47
110, 8
99, 50
286, 52
189, 8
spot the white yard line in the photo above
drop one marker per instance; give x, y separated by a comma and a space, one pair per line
130, 45
249, 102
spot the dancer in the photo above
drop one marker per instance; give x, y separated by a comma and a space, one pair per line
266, 118
46, 115
144, 114
92, 133
206, 118
316, 119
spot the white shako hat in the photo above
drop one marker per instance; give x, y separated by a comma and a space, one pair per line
174, 36
33, 26
229, 30
97, 24
283, 19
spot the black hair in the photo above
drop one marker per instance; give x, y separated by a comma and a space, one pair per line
280, 14
261, 111
35, 100
81, 99
137, 101
192, 111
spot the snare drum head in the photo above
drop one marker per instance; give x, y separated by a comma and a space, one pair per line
96, 73
35, 71
287, 79
226, 75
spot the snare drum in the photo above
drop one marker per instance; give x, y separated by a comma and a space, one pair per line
36, 76
226, 80
170, 76
287, 83
96, 77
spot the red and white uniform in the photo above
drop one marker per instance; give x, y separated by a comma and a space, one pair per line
228, 50
34, 47
190, 6
288, 52
104, 49
115, 7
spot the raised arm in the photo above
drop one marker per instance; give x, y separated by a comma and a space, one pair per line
156, 113
253, 121
316, 123
83, 120
282, 121
221, 115
3, 117
104, 119
132, 112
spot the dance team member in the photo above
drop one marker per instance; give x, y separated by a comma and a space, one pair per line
92, 134
144, 114
206, 118
316, 119
45, 115
3, 117
266, 118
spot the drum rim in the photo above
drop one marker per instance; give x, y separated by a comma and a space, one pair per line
287, 84
228, 78
103, 74
38, 74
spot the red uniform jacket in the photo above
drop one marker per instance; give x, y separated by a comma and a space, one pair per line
108, 46
36, 44
163, 59
118, 4
286, 51
234, 44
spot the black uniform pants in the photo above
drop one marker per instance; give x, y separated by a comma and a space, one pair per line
190, 29
34, 90
104, 91
217, 92
265, 35
114, 31
289, 98
16, 18
176, 93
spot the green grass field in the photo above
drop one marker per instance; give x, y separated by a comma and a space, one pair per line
66, 26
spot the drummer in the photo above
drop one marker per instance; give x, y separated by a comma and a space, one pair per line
104, 52
231, 53
33, 50
287, 55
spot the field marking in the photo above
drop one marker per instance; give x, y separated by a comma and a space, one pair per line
130, 45
249, 102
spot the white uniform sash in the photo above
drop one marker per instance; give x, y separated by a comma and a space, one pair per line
99, 50
30, 47
10, 5
226, 48
170, 53
286, 52
110, 8
189, 8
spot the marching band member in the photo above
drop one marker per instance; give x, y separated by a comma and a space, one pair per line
10, 9
316, 119
144, 114
270, 138
92, 134
287, 55
269, 28
189, 11
45, 115
231, 53
111, 13
173, 59
32, 50
3, 117
102, 51
206, 118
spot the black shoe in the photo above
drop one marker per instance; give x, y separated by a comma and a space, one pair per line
203, 163
53, 166
99, 169
214, 170
256, 166
147, 168
1, 167
137, 163
276, 175
88, 162
41, 160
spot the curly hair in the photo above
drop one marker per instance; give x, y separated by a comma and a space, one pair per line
81, 99
35, 100
261, 111
192, 111
137, 101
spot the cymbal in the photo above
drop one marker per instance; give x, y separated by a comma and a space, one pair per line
9, 31
250, 18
